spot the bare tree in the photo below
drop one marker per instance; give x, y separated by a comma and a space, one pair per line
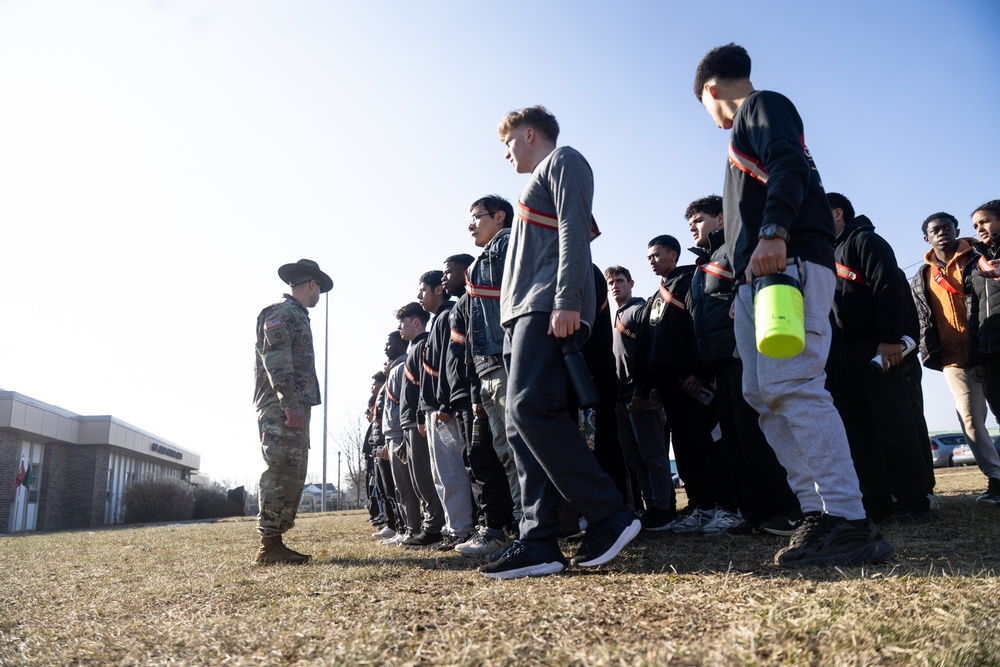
350, 440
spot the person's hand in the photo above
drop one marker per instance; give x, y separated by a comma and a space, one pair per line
441, 417
480, 411
770, 256
978, 373
892, 354
564, 323
422, 429
691, 386
640, 404
294, 417
383, 453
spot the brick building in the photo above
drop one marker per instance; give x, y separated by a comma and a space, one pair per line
79, 465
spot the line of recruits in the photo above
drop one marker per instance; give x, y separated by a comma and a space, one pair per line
478, 442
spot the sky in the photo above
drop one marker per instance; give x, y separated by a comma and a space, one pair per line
160, 160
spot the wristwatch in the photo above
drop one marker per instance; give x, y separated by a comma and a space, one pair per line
773, 231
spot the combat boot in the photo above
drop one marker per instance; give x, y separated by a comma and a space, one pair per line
273, 551
305, 557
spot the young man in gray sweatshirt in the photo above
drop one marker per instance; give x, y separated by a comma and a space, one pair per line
547, 299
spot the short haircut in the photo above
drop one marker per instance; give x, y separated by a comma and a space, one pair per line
837, 200
432, 278
617, 271
710, 205
723, 63
940, 215
992, 206
413, 309
537, 117
379, 377
395, 336
463, 260
668, 242
494, 203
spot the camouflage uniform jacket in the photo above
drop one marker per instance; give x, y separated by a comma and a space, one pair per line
285, 368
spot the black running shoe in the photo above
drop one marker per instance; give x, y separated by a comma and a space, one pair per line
524, 560
655, 519
449, 543
782, 523
422, 539
824, 539
992, 495
605, 539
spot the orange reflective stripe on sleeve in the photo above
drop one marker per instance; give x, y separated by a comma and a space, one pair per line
549, 221
671, 299
849, 274
747, 164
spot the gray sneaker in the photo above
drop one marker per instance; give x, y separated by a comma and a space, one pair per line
484, 542
722, 521
697, 520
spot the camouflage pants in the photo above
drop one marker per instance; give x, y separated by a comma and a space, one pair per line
286, 453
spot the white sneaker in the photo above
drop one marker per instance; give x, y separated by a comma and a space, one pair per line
722, 521
395, 540
698, 519
384, 533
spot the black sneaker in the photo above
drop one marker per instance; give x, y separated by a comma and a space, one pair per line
497, 555
523, 560
782, 523
824, 539
422, 539
744, 529
992, 495
448, 543
605, 539
655, 519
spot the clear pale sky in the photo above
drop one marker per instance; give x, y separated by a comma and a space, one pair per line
159, 160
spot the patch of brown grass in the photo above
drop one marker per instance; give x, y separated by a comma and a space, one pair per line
187, 594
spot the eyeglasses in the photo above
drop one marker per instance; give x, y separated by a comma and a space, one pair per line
304, 282
474, 218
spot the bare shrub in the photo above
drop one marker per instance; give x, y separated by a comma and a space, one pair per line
213, 504
165, 499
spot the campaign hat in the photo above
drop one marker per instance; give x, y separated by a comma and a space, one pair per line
306, 266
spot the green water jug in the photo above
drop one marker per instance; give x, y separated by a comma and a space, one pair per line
779, 316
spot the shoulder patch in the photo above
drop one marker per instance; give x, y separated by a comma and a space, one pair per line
272, 323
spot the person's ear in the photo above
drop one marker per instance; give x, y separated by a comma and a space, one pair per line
711, 89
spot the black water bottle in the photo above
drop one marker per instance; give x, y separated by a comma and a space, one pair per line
481, 434
579, 375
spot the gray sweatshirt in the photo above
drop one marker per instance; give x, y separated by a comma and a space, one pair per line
548, 260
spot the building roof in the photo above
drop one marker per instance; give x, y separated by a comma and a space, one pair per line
32, 417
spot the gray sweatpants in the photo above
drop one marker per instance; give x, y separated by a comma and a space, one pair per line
450, 476
406, 496
796, 411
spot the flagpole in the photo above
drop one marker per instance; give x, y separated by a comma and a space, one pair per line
326, 392
17, 501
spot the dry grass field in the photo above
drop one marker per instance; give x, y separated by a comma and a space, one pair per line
187, 595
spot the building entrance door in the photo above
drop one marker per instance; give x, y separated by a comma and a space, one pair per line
24, 507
